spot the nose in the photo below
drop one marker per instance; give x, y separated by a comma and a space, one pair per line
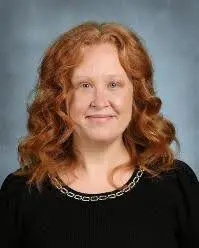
100, 99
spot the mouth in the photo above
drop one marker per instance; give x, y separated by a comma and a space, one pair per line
100, 119
100, 116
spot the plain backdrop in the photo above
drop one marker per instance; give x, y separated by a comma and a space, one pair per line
169, 28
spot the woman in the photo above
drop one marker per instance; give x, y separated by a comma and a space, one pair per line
97, 168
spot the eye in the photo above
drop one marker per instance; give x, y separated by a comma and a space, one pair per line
115, 83
84, 83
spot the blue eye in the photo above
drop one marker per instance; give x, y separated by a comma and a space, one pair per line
112, 83
116, 83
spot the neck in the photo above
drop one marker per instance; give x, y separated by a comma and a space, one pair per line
99, 159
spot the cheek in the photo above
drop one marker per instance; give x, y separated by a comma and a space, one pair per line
124, 103
78, 107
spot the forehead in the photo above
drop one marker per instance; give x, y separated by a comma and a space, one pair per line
101, 60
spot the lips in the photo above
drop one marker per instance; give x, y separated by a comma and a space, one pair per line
100, 119
99, 116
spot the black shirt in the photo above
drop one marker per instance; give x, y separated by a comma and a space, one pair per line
154, 213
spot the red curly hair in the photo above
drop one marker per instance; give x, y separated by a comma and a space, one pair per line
48, 147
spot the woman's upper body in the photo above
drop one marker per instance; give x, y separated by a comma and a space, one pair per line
159, 212
112, 122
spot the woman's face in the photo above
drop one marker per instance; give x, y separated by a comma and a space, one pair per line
101, 87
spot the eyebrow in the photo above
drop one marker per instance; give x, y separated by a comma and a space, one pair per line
88, 77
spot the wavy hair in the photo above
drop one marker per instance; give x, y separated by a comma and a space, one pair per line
48, 147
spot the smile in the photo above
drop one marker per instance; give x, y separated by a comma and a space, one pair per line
100, 119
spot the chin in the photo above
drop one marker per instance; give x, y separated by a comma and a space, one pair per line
103, 138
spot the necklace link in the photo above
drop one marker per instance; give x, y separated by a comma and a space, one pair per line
100, 197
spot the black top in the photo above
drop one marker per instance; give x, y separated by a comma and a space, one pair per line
154, 213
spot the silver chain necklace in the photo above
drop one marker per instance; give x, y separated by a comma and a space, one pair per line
127, 188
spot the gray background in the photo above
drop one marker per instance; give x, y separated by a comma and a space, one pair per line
171, 33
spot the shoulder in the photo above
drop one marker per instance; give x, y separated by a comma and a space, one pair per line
181, 182
13, 203
16, 194
187, 180
183, 169
14, 184
188, 204
185, 174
